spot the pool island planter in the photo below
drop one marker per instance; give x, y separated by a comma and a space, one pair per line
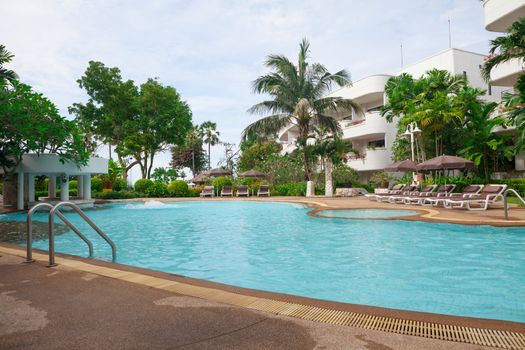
477, 331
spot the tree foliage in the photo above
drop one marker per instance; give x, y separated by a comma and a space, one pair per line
6, 75
211, 137
31, 123
257, 155
298, 97
190, 154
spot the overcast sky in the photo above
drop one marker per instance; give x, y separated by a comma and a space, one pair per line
212, 50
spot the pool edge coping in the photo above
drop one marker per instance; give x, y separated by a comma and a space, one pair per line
477, 331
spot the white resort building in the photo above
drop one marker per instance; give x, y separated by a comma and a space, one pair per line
371, 135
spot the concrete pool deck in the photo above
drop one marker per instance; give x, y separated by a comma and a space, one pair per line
150, 309
69, 308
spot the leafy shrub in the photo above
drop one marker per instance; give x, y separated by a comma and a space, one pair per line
157, 189
120, 185
221, 181
178, 188
41, 183
291, 189
1, 187
380, 179
143, 185
516, 184
96, 184
193, 192
116, 195
460, 181
73, 184
344, 176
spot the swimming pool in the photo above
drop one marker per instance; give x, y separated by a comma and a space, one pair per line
476, 271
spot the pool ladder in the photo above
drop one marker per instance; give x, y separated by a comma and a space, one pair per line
53, 210
506, 204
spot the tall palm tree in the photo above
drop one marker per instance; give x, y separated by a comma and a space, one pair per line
6, 57
211, 137
332, 150
194, 140
506, 48
297, 98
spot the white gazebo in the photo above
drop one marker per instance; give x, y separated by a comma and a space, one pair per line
33, 165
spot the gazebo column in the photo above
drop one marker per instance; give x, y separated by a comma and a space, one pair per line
31, 188
64, 188
52, 186
87, 186
20, 192
80, 186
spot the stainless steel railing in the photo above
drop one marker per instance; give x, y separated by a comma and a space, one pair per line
54, 211
505, 202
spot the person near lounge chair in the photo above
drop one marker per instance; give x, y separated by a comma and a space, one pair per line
208, 191
489, 195
227, 191
468, 191
243, 191
264, 190
396, 189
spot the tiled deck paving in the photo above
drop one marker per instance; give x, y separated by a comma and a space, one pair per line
89, 304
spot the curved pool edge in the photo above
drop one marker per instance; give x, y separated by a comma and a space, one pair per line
432, 215
477, 331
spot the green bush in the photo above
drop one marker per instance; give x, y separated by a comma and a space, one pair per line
516, 184
460, 181
96, 184
41, 183
193, 192
221, 181
72, 193
143, 185
73, 184
120, 185
291, 189
116, 195
157, 189
1, 187
178, 188
344, 176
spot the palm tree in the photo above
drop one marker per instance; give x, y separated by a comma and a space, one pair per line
506, 48
6, 57
194, 140
297, 99
211, 137
332, 150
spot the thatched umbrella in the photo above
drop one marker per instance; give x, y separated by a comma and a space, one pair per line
219, 172
404, 165
253, 173
201, 178
446, 163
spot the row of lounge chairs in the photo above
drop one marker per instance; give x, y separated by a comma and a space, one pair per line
473, 197
242, 191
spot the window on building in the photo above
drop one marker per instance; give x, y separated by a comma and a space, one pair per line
376, 144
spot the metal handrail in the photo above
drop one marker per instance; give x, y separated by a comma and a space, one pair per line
505, 203
86, 219
29, 230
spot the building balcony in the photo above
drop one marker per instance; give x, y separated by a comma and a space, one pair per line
364, 90
372, 124
507, 74
372, 160
500, 14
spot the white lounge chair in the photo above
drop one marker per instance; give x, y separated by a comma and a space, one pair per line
416, 197
481, 201
468, 191
396, 189
227, 191
243, 190
208, 191
264, 190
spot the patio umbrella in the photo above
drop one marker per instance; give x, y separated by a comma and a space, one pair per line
404, 165
220, 172
445, 163
253, 173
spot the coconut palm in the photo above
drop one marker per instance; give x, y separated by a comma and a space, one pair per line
506, 48
211, 137
298, 98
6, 57
194, 140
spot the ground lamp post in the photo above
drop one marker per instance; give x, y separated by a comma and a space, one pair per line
412, 129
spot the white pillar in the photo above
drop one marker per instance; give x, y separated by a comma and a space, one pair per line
20, 192
310, 191
31, 188
87, 187
80, 186
52, 186
64, 187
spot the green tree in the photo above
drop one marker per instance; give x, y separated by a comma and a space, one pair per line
256, 155
481, 144
31, 123
332, 150
211, 137
6, 74
165, 175
163, 120
298, 98
506, 48
191, 154
110, 112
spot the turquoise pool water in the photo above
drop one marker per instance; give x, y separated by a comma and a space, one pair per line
476, 271
366, 213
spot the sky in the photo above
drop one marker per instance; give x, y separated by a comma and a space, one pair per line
211, 51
